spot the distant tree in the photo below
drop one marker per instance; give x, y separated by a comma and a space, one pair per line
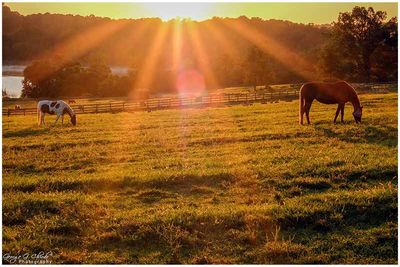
257, 68
71, 80
228, 70
96, 75
40, 79
46, 78
4, 94
355, 37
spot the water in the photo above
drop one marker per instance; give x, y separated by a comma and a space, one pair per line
15, 69
13, 76
13, 85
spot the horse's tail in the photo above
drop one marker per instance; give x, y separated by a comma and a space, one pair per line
301, 104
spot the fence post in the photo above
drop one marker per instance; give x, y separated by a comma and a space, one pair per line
24, 112
96, 108
110, 107
123, 106
8, 112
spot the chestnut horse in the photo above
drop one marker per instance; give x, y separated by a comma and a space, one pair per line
329, 93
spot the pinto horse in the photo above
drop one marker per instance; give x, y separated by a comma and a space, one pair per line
329, 93
58, 107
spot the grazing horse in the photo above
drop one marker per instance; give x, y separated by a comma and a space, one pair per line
58, 107
329, 93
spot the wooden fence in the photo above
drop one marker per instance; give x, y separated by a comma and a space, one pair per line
171, 102
220, 99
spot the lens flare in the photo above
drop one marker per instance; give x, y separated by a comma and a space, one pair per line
190, 82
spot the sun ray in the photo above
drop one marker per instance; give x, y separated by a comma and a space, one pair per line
133, 36
201, 56
221, 39
177, 45
146, 71
270, 46
80, 44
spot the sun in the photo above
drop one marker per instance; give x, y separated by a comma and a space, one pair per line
167, 11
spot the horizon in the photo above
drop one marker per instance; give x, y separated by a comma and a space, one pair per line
306, 13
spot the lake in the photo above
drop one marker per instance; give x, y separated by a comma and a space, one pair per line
13, 85
13, 76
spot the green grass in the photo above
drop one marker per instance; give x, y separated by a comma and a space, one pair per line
241, 184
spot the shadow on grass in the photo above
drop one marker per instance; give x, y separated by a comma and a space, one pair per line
316, 214
17, 215
186, 182
178, 184
26, 132
253, 138
351, 175
380, 135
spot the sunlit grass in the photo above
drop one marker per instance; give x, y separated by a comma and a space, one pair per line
241, 184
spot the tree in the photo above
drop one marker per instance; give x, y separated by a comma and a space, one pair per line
258, 70
47, 78
97, 73
4, 94
39, 79
354, 39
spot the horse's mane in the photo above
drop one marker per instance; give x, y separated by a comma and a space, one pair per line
69, 110
354, 97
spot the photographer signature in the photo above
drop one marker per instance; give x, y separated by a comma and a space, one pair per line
29, 258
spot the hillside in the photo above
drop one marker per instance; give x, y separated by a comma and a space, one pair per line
26, 37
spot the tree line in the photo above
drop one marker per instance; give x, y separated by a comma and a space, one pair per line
360, 46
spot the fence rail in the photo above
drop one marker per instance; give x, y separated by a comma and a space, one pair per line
219, 99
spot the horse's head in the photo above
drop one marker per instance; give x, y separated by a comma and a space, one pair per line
358, 114
73, 119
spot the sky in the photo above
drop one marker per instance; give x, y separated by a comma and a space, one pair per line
318, 13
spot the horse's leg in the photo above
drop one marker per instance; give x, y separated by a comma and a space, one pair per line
40, 118
62, 119
337, 113
342, 112
58, 116
307, 108
43, 114
301, 113
302, 110
301, 106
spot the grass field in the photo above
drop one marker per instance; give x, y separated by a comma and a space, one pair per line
241, 184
